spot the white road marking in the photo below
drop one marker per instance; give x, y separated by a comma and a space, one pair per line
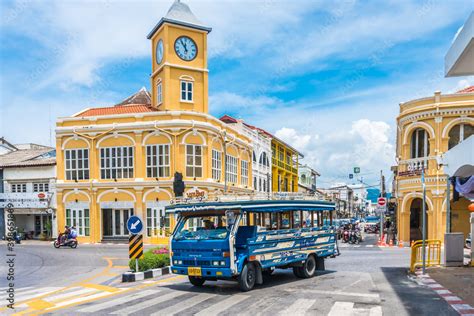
118, 301
72, 294
356, 246
460, 307
222, 305
342, 309
376, 311
299, 307
442, 291
190, 302
81, 299
26, 295
368, 295
452, 298
369, 246
432, 285
140, 306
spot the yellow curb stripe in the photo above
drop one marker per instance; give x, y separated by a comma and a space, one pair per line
39, 304
101, 287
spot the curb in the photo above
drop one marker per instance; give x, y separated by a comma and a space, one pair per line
455, 302
149, 274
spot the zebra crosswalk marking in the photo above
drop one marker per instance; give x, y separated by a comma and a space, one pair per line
140, 306
190, 302
21, 295
74, 293
342, 309
118, 301
222, 305
299, 307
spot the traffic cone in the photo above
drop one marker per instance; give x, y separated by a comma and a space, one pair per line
400, 243
390, 243
412, 243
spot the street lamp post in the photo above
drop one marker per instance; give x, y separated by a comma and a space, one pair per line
424, 218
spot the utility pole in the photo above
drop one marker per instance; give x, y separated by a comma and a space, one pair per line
424, 217
382, 194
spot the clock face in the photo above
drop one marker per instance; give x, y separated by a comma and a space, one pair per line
159, 52
185, 48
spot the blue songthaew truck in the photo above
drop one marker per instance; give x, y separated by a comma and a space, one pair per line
243, 240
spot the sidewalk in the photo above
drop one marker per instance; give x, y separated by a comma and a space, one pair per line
458, 280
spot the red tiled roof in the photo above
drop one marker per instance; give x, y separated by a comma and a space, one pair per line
118, 109
467, 90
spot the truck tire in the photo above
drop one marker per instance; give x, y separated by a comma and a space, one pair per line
247, 277
320, 264
308, 270
297, 272
196, 281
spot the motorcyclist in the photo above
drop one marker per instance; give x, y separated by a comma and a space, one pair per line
72, 233
65, 235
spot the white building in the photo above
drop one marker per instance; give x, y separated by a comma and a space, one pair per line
360, 196
29, 177
262, 152
307, 178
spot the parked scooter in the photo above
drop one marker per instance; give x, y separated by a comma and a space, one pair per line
63, 241
16, 236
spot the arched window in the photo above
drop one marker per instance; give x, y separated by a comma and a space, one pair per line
459, 133
254, 157
420, 146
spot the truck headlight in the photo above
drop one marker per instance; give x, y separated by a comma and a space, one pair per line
180, 261
222, 263
215, 263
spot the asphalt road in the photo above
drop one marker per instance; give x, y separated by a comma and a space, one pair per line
363, 280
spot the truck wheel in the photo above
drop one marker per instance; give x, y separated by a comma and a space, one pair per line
196, 281
297, 272
247, 277
308, 270
320, 264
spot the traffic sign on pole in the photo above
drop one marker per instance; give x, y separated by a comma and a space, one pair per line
381, 201
351, 176
356, 169
135, 247
134, 225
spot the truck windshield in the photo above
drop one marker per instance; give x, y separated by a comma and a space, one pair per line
203, 227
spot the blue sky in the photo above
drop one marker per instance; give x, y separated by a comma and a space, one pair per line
325, 76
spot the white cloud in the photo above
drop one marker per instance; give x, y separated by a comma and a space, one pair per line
334, 152
290, 136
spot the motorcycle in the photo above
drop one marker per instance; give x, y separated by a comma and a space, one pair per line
62, 241
16, 236
353, 239
345, 236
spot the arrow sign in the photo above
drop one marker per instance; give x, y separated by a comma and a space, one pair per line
134, 225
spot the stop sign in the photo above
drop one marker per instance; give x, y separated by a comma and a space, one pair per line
381, 201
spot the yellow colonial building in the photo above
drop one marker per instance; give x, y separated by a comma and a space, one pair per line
284, 167
116, 161
427, 128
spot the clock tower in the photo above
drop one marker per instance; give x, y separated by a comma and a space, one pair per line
179, 78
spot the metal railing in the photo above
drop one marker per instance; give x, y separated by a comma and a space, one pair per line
433, 254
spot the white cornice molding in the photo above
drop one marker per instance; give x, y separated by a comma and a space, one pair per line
423, 115
178, 66
147, 126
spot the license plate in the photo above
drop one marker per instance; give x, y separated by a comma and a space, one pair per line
194, 271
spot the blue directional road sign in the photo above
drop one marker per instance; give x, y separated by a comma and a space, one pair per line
351, 176
134, 225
